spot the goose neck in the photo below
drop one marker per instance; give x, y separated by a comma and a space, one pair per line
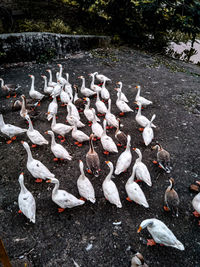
131, 179
104, 83
2, 123
45, 83
98, 99
109, 106
83, 83
2, 82
139, 110
91, 145
55, 190
23, 187
50, 76
92, 82
82, 172
139, 159
60, 72
30, 125
138, 92
53, 121
32, 83
30, 157
108, 178
53, 142
23, 107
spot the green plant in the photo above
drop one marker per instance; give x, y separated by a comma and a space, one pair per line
58, 26
46, 56
32, 26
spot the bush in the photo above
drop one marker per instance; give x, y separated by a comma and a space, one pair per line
32, 26
58, 26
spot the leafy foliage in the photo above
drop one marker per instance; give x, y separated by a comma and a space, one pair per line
146, 22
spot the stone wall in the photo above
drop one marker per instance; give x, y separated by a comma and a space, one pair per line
17, 47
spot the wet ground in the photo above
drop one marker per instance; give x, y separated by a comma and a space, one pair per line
56, 239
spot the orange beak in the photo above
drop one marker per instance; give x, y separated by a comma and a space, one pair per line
107, 162
46, 132
48, 181
134, 148
22, 142
139, 229
22, 173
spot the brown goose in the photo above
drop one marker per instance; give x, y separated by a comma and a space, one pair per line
78, 102
9, 88
163, 158
30, 103
171, 198
27, 110
92, 159
138, 260
120, 136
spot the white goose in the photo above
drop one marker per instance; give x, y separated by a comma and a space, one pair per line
134, 191
74, 110
60, 128
78, 135
86, 91
10, 130
148, 134
70, 118
123, 97
104, 91
161, 234
141, 99
51, 83
110, 118
52, 109
140, 119
35, 167
26, 201
96, 127
122, 105
59, 151
141, 170
108, 144
196, 205
93, 86
33, 93
124, 160
85, 188
101, 107
109, 188
101, 77
34, 135
62, 198
64, 97
62, 80
47, 89
68, 86
89, 112
57, 89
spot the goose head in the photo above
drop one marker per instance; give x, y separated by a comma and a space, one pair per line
109, 163
21, 178
144, 224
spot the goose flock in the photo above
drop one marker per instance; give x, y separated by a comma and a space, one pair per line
100, 118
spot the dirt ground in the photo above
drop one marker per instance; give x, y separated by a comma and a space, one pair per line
56, 239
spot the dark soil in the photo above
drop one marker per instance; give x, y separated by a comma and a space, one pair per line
56, 239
